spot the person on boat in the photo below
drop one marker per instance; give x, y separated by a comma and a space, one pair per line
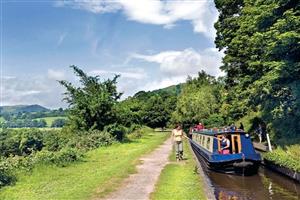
199, 127
225, 144
177, 136
232, 127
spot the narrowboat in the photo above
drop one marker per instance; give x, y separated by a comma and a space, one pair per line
241, 158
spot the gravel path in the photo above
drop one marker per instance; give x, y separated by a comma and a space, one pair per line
139, 186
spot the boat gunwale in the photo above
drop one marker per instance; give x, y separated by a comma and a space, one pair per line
211, 132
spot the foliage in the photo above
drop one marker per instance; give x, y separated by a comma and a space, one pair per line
91, 140
288, 157
152, 109
261, 40
29, 117
22, 123
60, 122
91, 106
200, 98
116, 130
102, 167
158, 110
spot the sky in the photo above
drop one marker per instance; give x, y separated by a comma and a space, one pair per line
152, 44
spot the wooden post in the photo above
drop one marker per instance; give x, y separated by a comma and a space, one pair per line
269, 142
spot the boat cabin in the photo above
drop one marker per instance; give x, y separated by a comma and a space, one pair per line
211, 144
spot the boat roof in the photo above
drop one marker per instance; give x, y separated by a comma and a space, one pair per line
219, 131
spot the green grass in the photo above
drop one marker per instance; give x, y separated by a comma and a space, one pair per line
179, 180
288, 156
101, 172
49, 120
2, 119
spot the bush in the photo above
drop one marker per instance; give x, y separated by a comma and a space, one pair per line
6, 177
116, 130
87, 140
60, 122
55, 140
31, 140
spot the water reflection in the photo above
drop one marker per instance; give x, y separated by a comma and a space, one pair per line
263, 186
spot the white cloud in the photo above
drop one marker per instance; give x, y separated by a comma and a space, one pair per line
186, 62
55, 74
138, 74
28, 89
201, 13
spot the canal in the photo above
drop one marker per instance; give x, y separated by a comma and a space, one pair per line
262, 186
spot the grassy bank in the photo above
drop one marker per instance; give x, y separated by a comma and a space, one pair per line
100, 172
288, 156
179, 180
50, 120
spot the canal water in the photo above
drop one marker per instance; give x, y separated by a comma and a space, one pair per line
263, 186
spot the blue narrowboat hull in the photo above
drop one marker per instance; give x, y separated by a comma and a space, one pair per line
240, 163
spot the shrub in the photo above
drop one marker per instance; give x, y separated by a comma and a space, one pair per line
6, 175
59, 158
87, 140
116, 130
55, 140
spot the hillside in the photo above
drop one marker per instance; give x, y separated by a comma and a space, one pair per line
173, 89
23, 108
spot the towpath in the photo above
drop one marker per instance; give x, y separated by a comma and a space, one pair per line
139, 186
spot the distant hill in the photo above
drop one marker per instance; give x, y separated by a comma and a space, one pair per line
173, 89
23, 108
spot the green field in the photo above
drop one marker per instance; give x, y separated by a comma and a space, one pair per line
49, 120
101, 172
179, 180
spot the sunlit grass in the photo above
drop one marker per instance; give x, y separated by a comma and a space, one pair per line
49, 120
179, 180
100, 173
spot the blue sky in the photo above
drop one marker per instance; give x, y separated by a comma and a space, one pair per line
152, 44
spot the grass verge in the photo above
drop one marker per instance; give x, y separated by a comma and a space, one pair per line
101, 172
179, 180
288, 156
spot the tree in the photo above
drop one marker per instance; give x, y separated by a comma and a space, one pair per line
91, 106
261, 40
199, 99
158, 110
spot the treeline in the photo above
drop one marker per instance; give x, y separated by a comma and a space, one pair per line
33, 115
32, 119
24, 123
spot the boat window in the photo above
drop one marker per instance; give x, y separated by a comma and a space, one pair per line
202, 139
236, 143
208, 143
